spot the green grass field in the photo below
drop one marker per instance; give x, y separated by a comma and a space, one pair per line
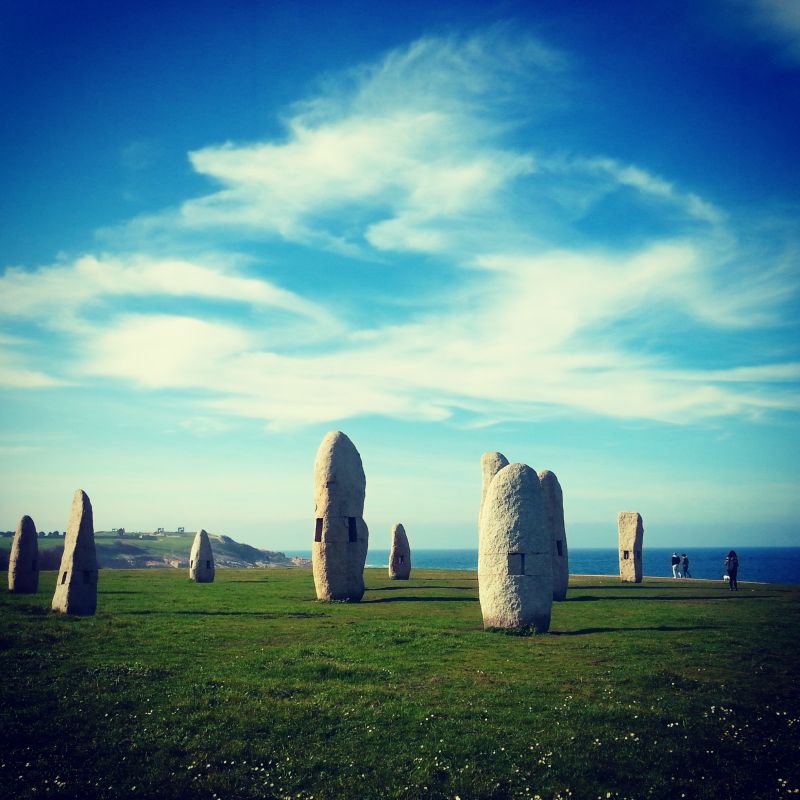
250, 688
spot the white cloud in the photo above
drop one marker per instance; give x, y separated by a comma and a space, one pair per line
65, 288
778, 20
412, 155
15, 373
164, 352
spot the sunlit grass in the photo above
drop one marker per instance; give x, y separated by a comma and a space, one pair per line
248, 687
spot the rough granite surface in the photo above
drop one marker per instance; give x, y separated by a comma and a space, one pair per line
631, 536
76, 582
399, 555
515, 561
341, 537
201, 559
554, 518
23, 562
491, 464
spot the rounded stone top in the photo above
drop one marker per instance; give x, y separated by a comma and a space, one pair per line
26, 526
201, 547
491, 464
399, 534
81, 516
339, 481
550, 482
512, 511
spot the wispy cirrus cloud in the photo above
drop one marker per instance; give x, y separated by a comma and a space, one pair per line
423, 154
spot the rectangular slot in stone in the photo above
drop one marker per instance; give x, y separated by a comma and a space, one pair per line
560, 547
352, 530
626, 554
318, 530
516, 563
63, 578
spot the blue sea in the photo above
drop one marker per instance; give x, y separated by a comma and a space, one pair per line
762, 564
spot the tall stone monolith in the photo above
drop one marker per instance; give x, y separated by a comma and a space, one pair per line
631, 535
76, 583
491, 464
399, 555
341, 537
554, 518
201, 559
515, 558
23, 562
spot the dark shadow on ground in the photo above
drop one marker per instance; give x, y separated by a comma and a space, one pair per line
415, 588
262, 614
423, 600
657, 628
590, 598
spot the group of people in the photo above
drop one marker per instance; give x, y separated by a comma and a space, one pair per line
680, 566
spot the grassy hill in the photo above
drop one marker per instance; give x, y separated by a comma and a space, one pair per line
136, 550
250, 688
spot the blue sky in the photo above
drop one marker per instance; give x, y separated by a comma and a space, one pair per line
566, 231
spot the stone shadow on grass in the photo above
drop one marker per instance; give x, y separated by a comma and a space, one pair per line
191, 613
413, 599
416, 588
656, 628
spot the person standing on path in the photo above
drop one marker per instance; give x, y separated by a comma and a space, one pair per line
676, 561
685, 565
732, 566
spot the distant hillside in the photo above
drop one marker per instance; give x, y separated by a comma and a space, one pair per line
138, 550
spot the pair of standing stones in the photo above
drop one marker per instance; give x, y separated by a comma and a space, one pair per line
522, 551
76, 581
341, 536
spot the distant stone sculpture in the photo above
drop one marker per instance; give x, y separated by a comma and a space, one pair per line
201, 559
491, 464
341, 536
631, 534
554, 518
23, 562
399, 555
515, 560
76, 583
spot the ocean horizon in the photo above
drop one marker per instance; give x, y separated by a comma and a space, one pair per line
759, 564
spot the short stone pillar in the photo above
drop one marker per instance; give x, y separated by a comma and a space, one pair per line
554, 519
201, 559
631, 534
23, 561
399, 555
341, 537
515, 553
76, 582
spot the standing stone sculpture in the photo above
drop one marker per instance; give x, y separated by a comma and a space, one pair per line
201, 559
554, 518
76, 582
341, 536
631, 534
515, 561
491, 464
23, 562
399, 555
